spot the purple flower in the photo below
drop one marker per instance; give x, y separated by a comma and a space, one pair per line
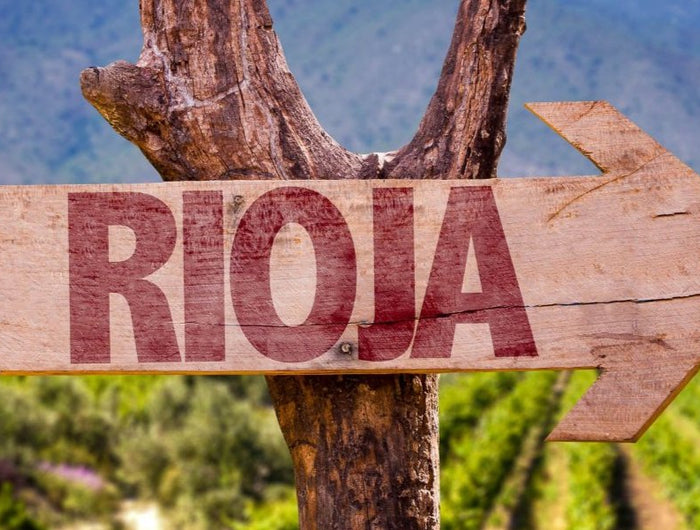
83, 475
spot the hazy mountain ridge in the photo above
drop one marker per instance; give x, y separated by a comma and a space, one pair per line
367, 69
583, 53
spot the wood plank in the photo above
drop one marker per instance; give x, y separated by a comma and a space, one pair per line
384, 276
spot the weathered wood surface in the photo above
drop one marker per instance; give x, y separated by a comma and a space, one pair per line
606, 267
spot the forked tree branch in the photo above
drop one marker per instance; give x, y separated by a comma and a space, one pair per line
211, 97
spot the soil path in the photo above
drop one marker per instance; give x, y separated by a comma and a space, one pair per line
651, 511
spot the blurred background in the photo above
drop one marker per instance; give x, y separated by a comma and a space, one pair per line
206, 452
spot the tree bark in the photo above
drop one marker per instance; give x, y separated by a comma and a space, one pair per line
211, 97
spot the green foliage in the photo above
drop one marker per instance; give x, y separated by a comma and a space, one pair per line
590, 471
670, 453
280, 513
23, 424
478, 461
13, 513
222, 442
204, 447
208, 450
590, 478
464, 398
76, 499
687, 401
80, 432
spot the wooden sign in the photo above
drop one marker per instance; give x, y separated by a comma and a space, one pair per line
374, 276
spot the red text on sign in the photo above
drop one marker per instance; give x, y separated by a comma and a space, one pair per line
471, 218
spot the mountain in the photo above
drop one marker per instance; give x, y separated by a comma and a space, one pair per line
643, 57
368, 69
48, 133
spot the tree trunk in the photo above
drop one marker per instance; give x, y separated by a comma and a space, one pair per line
211, 97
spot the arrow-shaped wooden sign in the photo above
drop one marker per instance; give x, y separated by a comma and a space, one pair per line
374, 276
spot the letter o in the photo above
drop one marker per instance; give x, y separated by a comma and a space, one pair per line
336, 281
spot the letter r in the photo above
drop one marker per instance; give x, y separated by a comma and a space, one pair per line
92, 277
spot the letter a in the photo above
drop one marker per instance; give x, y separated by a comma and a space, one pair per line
471, 213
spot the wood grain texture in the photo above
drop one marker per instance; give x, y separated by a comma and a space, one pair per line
624, 151
331, 484
607, 268
586, 278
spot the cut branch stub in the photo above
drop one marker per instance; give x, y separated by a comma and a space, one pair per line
212, 98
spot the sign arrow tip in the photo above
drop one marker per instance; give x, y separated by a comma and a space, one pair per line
627, 397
